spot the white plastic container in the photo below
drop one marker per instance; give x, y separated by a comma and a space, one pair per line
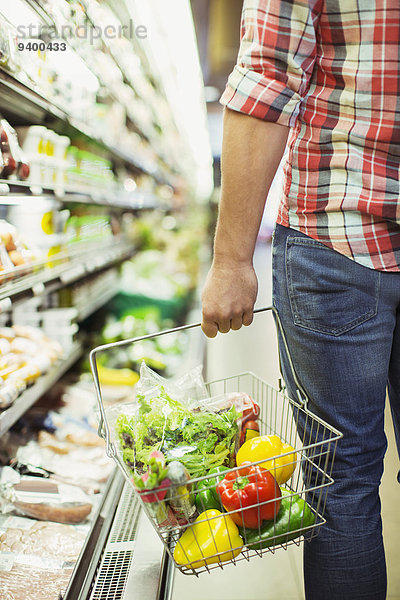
36, 219
33, 143
66, 336
61, 318
60, 154
49, 173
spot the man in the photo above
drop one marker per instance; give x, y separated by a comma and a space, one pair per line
322, 76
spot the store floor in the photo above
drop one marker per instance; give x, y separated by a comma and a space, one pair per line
279, 575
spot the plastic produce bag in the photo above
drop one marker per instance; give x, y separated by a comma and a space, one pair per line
173, 433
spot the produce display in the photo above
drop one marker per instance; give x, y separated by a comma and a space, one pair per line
155, 292
182, 451
162, 354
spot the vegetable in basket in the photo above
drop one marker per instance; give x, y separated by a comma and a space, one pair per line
206, 492
269, 447
252, 493
199, 440
250, 430
213, 538
251, 410
180, 498
153, 484
294, 515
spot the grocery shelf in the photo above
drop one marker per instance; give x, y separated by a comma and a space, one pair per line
91, 308
67, 268
9, 416
29, 107
13, 191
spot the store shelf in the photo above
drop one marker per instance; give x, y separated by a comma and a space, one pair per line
9, 416
78, 263
29, 107
12, 192
93, 306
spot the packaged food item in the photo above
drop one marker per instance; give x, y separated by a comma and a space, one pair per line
197, 433
8, 49
42, 498
87, 468
38, 556
14, 161
25, 354
33, 143
4, 43
9, 392
13, 251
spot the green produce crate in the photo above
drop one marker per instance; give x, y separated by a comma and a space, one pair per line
123, 303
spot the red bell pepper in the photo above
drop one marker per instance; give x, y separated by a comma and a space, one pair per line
250, 495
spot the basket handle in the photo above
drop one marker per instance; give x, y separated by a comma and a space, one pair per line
301, 395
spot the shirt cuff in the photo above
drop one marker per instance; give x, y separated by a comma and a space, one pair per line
255, 94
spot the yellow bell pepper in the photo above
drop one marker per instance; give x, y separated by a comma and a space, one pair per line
212, 538
268, 446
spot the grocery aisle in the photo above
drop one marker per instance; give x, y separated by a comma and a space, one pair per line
279, 575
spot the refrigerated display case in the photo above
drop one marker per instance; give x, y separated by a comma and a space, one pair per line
105, 145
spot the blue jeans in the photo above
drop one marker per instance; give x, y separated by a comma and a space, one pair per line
342, 323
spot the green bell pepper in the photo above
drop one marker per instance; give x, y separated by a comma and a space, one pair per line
206, 494
294, 514
204, 499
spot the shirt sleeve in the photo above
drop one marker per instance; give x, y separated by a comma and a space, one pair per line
276, 59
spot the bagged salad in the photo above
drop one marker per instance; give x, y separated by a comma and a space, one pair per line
172, 433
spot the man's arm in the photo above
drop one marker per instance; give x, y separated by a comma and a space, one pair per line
251, 152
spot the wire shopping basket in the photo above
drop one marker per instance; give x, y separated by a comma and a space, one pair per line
236, 512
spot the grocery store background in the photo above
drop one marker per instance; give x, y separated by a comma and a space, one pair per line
109, 184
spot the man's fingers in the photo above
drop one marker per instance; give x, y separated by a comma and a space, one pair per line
236, 323
212, 327
248, 317
209, 328
224, 326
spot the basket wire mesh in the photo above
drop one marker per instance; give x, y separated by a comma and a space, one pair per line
211, 539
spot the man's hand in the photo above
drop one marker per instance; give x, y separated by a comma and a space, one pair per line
228, 298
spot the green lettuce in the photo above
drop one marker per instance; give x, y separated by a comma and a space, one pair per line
200, 440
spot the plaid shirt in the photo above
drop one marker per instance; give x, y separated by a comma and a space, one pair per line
330, 69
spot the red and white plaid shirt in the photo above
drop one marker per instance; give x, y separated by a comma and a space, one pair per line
330, 69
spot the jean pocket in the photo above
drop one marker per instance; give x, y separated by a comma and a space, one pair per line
328, 292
